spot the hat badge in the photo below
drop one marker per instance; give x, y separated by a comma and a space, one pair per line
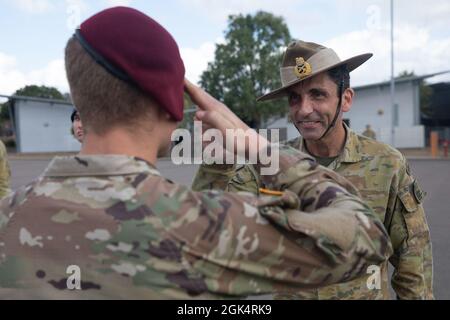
302, 68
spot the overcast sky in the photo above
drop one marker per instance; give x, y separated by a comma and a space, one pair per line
33, 33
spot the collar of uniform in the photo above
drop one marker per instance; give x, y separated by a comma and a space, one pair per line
352, 149
98, 165
350, 154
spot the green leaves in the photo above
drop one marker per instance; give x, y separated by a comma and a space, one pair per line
32, 91
40, 92
247, 66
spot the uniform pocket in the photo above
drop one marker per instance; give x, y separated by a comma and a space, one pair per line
411, 198
408, 200
244, 180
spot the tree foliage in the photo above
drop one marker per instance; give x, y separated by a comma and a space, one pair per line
43, 92
40, 92
247, 66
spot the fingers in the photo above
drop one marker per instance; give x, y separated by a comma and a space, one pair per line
200, 97
208, 103
214, 119
246, 140
222, 117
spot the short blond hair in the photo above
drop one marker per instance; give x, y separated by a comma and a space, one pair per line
103, 100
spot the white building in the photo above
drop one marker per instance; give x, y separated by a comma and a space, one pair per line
372, 105
42, 125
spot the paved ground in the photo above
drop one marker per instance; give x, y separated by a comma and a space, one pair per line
434, 177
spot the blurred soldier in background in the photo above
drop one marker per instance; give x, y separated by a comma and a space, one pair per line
369, 133
77, 127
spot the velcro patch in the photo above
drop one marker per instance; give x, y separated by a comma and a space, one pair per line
418, 193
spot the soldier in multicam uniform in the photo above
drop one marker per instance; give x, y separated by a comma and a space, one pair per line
77, 127
5, 172
369, 133
316, 81
106, 224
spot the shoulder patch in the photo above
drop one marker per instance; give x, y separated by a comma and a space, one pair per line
418, 193
411, 196
408, 169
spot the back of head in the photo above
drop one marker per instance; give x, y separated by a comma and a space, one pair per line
123, 67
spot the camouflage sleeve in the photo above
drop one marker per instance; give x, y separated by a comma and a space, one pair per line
232, 178
133, 241
410, 237
5, 172
300, 249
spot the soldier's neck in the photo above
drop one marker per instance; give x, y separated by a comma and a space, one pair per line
330, 146
119, 141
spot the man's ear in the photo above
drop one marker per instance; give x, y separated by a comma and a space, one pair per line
347, 99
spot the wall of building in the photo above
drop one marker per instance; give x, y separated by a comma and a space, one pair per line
44, 127
368, 103
372, 105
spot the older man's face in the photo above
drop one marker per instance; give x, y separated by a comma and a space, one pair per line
313, 104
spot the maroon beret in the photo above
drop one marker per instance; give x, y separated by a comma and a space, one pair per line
135, 48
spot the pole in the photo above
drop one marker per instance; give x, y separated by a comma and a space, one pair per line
393, 113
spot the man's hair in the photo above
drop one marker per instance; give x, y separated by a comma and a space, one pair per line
103, 100
338, 74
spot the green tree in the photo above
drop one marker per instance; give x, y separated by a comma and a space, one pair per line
426, 94
40, 92
43, 92
247, 65
4, 111
405, 74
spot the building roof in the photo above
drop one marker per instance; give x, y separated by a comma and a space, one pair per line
400, 80
51, 101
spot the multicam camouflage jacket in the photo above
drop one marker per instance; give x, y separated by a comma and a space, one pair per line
5, 172
112, 227
383, 178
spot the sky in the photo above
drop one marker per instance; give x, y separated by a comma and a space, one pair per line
33, 33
